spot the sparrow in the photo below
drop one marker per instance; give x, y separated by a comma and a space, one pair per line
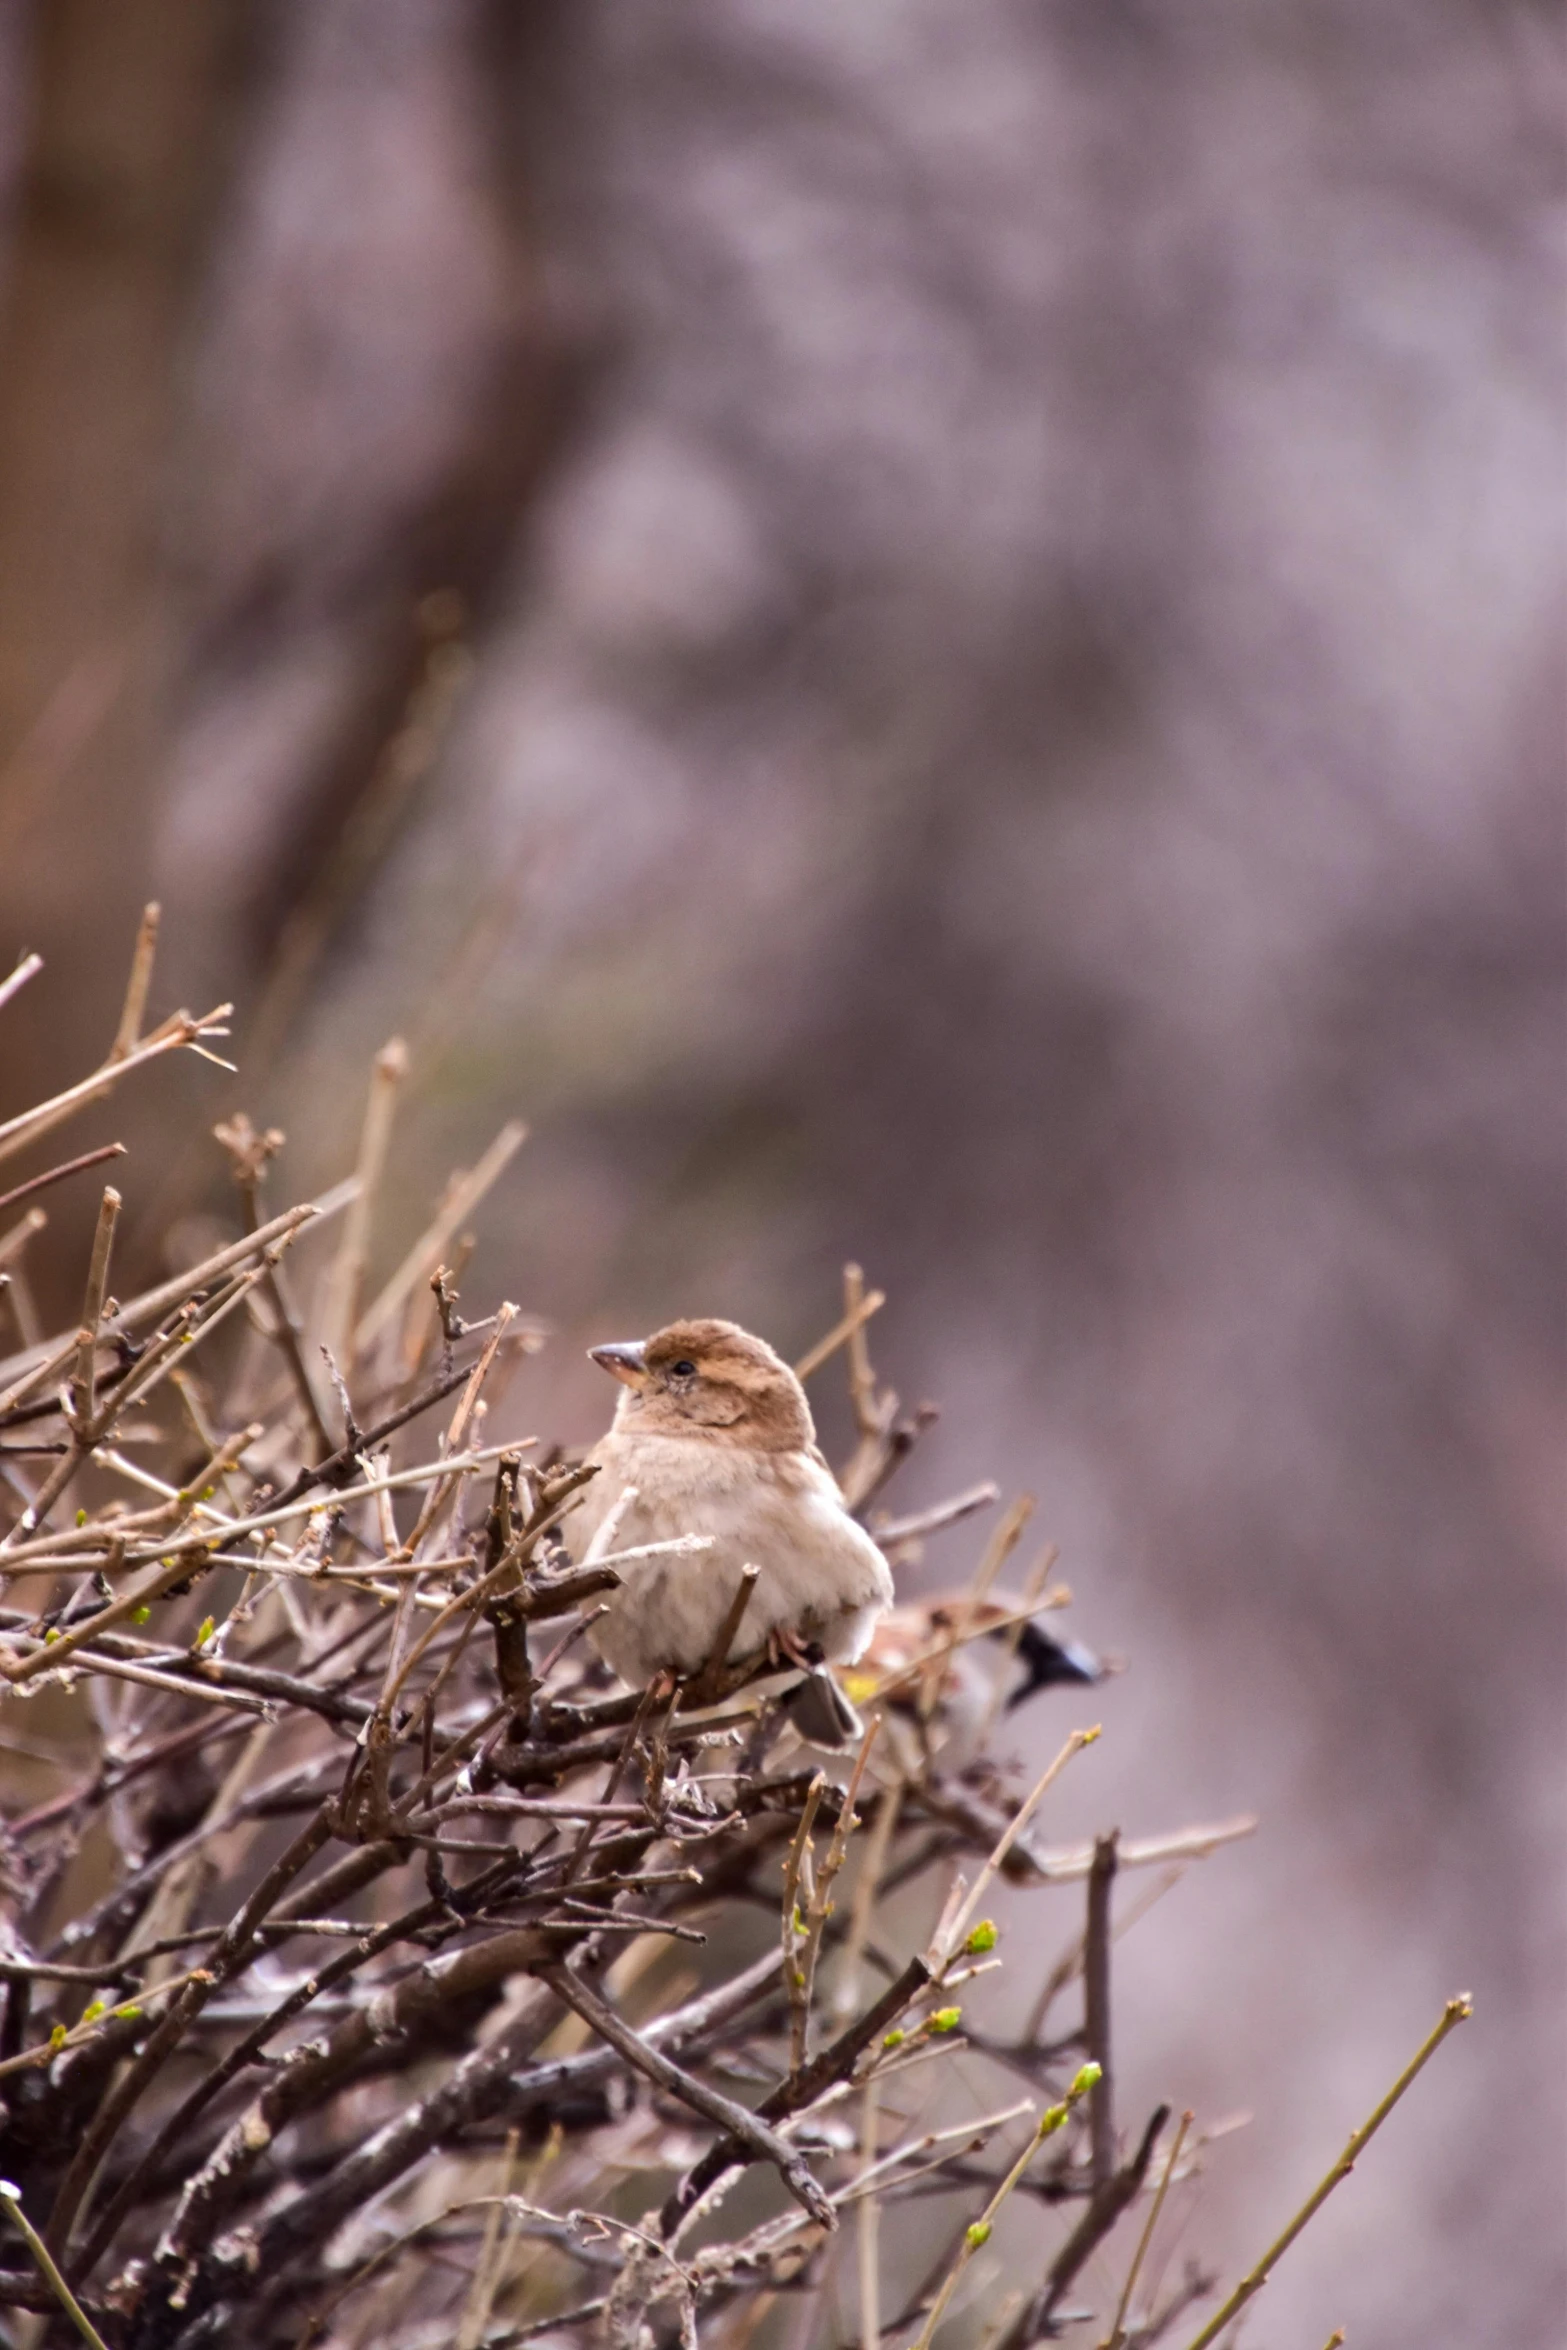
910, 1645
713, 1436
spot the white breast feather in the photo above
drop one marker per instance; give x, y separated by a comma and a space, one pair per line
822, 1577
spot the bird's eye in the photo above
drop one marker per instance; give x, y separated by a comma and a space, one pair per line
682, 1370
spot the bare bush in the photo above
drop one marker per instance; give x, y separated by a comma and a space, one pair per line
378, 1972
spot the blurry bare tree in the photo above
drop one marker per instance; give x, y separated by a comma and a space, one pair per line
923, 632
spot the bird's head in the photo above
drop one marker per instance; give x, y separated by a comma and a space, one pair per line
712, 1379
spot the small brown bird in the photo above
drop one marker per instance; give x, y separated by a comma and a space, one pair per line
1041, 1658
713, 1435
923, 1658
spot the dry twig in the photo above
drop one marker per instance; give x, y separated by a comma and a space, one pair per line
1457, 2011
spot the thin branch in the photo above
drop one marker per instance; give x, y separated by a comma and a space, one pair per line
128, 2091
1117, 2334
1054, 2118
1067, 1864
346, 1279
369, 1945
893, 1531
867, 1888
820, 1907
852, 1322
249, 1153
83, 1660
868, 2244
138, 986
84, 1391
968, 1613
28, 968
799, 2091
431, 1246
222, 1534
176, 1033
37, 1363
792, 1923
489, 2083
11, 2201
1457, 2011
343, 1464
1096, 2005
869, 1415
709, 1677
735, 2120
952, 1940
1105, 2206
52, 1175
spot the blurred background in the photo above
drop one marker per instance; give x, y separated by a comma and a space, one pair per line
931, 635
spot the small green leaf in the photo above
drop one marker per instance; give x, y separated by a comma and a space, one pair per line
976, 2235
894, 2039
945, 2019
91, 2014
130, 2008
140, 1615
81, 1517
53, 1633
983, 1938
57, 2036
1083, 2080
208, 1627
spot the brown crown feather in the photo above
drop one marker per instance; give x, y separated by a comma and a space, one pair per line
744, 1393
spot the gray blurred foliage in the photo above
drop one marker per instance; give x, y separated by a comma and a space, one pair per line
1006, 723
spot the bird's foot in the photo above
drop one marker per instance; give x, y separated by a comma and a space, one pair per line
786, 1647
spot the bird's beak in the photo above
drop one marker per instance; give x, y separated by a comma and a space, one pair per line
625, 1361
